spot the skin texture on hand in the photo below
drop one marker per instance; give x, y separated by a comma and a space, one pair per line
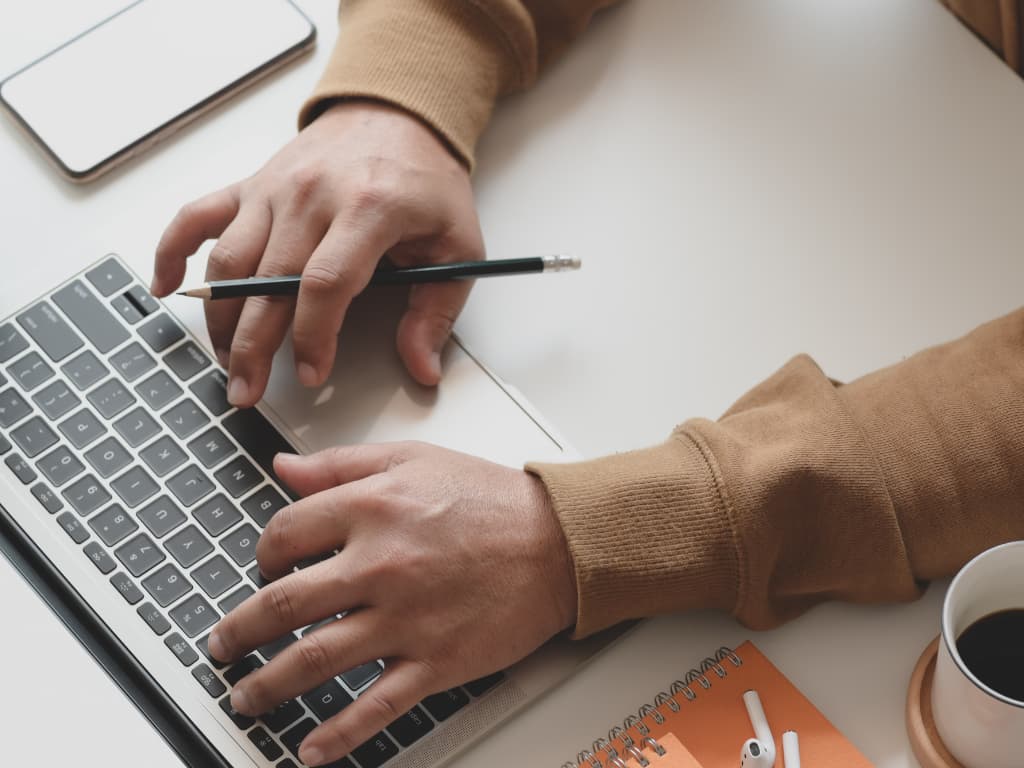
362, 181
449, 568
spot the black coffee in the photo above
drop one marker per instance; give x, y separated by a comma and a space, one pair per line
993, 649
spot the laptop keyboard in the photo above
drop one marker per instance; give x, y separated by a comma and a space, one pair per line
118, 423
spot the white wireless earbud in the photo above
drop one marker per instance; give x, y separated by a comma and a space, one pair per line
758, 752
754, 755
791, 749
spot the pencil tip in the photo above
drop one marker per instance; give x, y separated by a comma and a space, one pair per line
182, 293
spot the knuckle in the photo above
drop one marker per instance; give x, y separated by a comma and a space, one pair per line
323, 280
384, 707
222, 258
371, 196
314, 656
304, 180
280, 603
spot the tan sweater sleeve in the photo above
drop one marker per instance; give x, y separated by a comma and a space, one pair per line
997, 22
806, 490
446, 61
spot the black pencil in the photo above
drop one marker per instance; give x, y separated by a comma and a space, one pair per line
289, 284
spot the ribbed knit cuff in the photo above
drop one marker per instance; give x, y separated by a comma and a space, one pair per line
648, 532
442, 60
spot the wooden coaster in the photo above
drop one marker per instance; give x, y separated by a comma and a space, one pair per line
924, 739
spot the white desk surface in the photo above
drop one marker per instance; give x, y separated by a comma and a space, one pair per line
743, 180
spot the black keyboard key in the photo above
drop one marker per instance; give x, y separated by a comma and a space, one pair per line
113, 524
242, 722
125, 309
135, 486
286, 763
258, 436
163, 456
188, 546
153, 618
217, 514
166, 585
13, 408
190, 485
86, 495
216, 576
283, 715
45, 496
160, 332
211, 447
445, 704
108, 457
73, 527
136, 427
132, 362
375, 752
60, 466
84, 370
49, 330
11, 342
235, 599
126, 588
359, 676
182, 651
108, 276
293, 737
263, 504
142, 299
265, 743
242, 668
158, 390
30, 371
161, 516
82, 428
5, 445
274, 647
90, 316
209, 680
327, 700
111, 397
140, 555
259, 580
185, 418
241, 544
99, 557
194, 615
410, 727
56, 400
238, 476
186, 361
203, 645
480, 686
34, 436
21, 468
211, 390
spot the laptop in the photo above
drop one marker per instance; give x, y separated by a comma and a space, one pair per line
131, 498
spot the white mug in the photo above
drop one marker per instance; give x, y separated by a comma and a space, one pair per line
979, 726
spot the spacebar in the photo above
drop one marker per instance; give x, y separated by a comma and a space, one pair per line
260, 438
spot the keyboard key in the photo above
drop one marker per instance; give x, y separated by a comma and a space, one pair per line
258, 436
238, 476
292, 738
158, 390
242, 722
283, 715
126, 588
185, 418
5, 445
166, 585
30, 371
113, 524
108, 457
134, 486
11, 342
136, 427
484, 684
21, 468
363, 674
73, 527
209, 680
188, 546
327, 700
211, 447
241, 544
56, 399
181, 649
99, 557
186, 361
45, 496
50, 332
242, 668
108, 276
375, 752
60, 466
125, 309
190, 485
132, 362
142, 299
217, 514
445, 704
111, 397
202, 645
265, 743
259, 580
140, 555
163, 455
153, 618
13, 408
263, 504
160, 332
286, 763
235, 599
90, 316
84, 370
212, 391
86, 495
161, 516
194, 615
82, 428
216, 576
410, 727
34, 436
274, 647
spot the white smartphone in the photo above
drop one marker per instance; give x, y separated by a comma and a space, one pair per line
121, 86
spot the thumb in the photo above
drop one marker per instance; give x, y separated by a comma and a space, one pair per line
426, 325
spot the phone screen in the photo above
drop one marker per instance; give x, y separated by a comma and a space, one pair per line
153, 65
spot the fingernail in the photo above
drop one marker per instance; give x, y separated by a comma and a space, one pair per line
238, 390
286, 458
223, 357
240, 701
307, 375
311, 755
216, 646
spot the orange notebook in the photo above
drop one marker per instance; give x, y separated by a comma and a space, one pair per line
701, 722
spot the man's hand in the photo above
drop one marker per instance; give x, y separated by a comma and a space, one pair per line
449, 568
363, 180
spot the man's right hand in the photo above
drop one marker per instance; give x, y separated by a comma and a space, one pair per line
363, 180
